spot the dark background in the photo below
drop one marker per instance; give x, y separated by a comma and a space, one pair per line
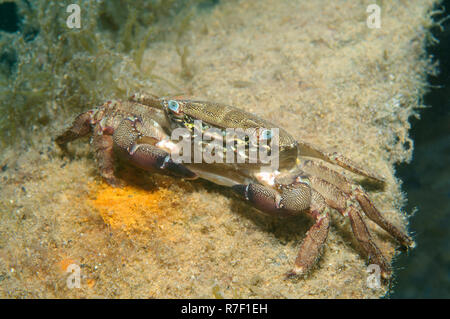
425, 271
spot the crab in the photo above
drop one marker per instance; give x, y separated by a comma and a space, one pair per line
139, 129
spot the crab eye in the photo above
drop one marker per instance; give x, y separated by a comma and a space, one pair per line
266, 135
174, 106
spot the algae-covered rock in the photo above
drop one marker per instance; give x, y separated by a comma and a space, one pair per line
313, 67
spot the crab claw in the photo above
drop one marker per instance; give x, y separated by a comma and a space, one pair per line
262, 198
293, 200
288, 202
145, 155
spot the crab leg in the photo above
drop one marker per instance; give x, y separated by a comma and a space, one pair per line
315, 238
102, 142
356, 191
81, 127
293, 199
340, 201
146, 99
142, 152
365, 240
335, 158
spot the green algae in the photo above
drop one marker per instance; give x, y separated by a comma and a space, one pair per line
48, 69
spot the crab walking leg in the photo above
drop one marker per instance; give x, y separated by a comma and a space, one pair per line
372, 212
340, 201
103, 145
315, 238
146, 99
81, 127
136, 148
365, 240
335, 158
360, 195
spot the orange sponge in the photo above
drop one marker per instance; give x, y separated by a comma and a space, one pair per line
137, 210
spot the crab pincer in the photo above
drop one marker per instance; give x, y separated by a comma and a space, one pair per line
142, 151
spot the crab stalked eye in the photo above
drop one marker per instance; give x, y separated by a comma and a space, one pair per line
266, 135
174, 106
